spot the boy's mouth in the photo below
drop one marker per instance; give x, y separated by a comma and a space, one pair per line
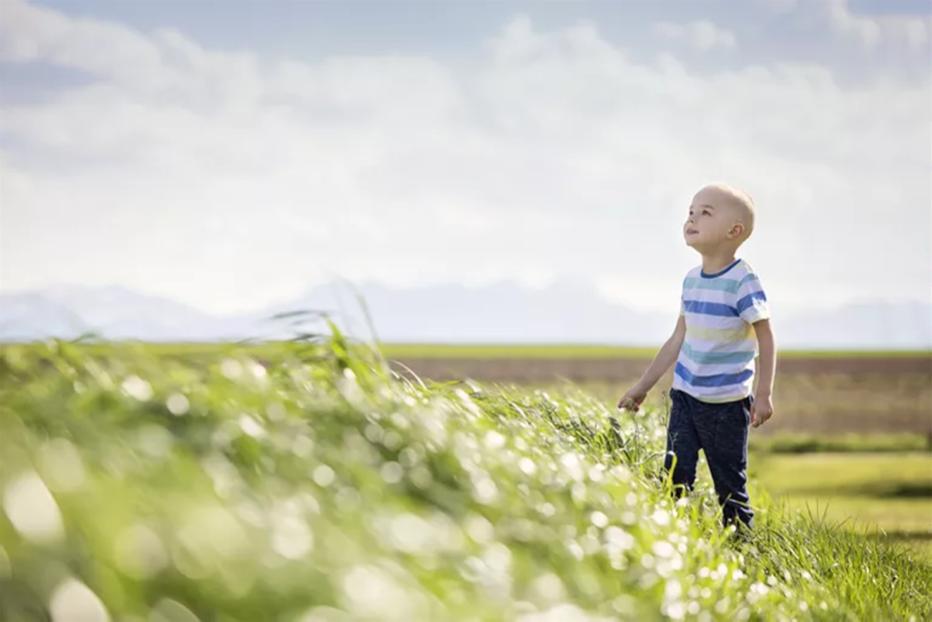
688, 231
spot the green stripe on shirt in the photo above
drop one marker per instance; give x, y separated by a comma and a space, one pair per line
725, 285
717, 358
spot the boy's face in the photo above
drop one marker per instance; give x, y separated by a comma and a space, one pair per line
709, 221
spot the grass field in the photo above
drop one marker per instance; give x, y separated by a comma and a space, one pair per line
142, 485
499, 351
878, 484
887, 495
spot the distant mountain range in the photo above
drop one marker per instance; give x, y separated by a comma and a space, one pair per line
505, 312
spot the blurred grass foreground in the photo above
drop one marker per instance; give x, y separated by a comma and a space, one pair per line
313, 483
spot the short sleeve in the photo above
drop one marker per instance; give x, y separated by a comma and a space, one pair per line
752, 301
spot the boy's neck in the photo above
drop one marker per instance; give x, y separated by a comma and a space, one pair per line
716, 262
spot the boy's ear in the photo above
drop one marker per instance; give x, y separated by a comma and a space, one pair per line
737, 230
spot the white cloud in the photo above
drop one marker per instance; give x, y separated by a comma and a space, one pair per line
109, 50
909, 32
700, 34
227, 181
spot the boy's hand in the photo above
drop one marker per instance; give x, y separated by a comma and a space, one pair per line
761, 410
632, 399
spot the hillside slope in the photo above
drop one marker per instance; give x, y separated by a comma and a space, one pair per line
315, 485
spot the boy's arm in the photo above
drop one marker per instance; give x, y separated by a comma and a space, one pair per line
762, 406
665, 357
768, 358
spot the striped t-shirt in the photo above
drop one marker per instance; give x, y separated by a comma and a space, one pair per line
716, 362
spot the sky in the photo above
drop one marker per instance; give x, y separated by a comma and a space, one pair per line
232, 154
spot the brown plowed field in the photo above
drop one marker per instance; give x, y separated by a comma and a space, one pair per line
608, 369
831, 395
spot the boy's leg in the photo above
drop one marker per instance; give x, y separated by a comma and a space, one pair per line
727, 455
682, 445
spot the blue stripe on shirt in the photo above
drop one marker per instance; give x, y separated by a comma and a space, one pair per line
710, 308
748, 301
715, 380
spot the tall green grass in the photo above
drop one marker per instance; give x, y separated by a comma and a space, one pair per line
316, 484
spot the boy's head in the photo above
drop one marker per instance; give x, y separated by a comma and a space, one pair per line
720, 218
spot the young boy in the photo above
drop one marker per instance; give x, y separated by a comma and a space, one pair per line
714, 347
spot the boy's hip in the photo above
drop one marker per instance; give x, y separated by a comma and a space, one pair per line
746, 400
727, 422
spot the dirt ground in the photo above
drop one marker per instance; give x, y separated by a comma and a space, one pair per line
813, 395
603, 369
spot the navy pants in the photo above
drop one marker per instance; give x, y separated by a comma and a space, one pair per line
721, 431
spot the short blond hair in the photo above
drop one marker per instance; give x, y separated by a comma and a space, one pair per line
743, 204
